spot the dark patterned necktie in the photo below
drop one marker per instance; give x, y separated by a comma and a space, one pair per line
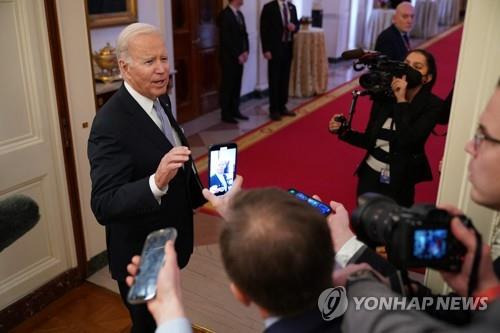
285, 17
407, 41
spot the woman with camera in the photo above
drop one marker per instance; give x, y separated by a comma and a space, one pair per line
396, 133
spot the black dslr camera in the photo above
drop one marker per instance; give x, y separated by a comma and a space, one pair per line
381, 70
419, 236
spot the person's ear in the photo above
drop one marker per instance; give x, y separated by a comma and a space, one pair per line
123, 66
240, 295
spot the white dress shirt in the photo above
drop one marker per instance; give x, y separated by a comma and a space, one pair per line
147, 105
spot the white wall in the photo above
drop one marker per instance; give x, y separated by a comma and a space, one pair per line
336, 18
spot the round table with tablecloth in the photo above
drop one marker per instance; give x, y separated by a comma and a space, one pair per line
309, 72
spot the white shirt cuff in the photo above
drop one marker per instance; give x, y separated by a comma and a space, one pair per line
178, 325
158, 193
347, 250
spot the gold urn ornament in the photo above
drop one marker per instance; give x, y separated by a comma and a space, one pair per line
108, 64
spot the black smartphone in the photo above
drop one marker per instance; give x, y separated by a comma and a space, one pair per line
322, 207
153, 252
222, 167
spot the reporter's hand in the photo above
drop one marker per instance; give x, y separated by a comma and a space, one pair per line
268, 55
334, 125
338, 222
222, 203
291, 27
399, 86
486, 276
169, 164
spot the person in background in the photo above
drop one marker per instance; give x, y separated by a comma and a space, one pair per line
396, 133
278, 24
234, 48
394, 41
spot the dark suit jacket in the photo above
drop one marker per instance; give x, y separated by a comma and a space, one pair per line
413, 124
390, 42
124, 148
233, 36
214, 180
310, 321
271, 27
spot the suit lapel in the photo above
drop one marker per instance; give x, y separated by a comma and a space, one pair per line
143, 123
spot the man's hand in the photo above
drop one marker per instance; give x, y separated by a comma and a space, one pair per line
398, 86
221, 203
291, 27
167, 304
242, 58
338, 222
486, 276
169, 164
268, 55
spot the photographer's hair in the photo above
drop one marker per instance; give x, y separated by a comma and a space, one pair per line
431, 66
277, 250
129, 33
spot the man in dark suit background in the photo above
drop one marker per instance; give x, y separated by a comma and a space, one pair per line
394, 41
233, 54
278, 24
143, 178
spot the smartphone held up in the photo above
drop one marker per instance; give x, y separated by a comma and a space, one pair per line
152, 258
222, 167
322, 207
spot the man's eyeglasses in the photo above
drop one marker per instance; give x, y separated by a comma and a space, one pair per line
480, 135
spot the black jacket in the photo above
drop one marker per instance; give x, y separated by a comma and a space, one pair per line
233, 36
390, 42
413, 124
307, 322
271, 27
124, 149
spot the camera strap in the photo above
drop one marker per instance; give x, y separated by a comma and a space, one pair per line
473, 277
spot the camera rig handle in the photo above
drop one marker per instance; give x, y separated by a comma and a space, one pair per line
355, 94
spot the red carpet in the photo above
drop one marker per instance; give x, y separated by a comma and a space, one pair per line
301, 153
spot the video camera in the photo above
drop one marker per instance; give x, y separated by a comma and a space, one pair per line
381, 71
419, 236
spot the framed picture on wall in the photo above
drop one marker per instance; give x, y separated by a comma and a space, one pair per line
106, 13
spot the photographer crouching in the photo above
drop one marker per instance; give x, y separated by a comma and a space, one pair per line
403, 114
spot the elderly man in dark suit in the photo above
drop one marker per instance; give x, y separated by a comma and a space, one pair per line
233, 55
394, 41
143, 178
278, 24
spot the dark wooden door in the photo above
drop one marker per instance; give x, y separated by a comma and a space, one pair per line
195, 52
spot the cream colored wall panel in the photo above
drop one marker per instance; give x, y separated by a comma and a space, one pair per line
14, 120
79, 86
31, 159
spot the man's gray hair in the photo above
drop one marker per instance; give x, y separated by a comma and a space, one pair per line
129, 33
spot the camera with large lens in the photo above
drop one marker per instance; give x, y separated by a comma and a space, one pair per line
381, 71
419, 236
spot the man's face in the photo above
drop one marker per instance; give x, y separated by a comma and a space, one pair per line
484, 166
403, 17
221, 165
147, 70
